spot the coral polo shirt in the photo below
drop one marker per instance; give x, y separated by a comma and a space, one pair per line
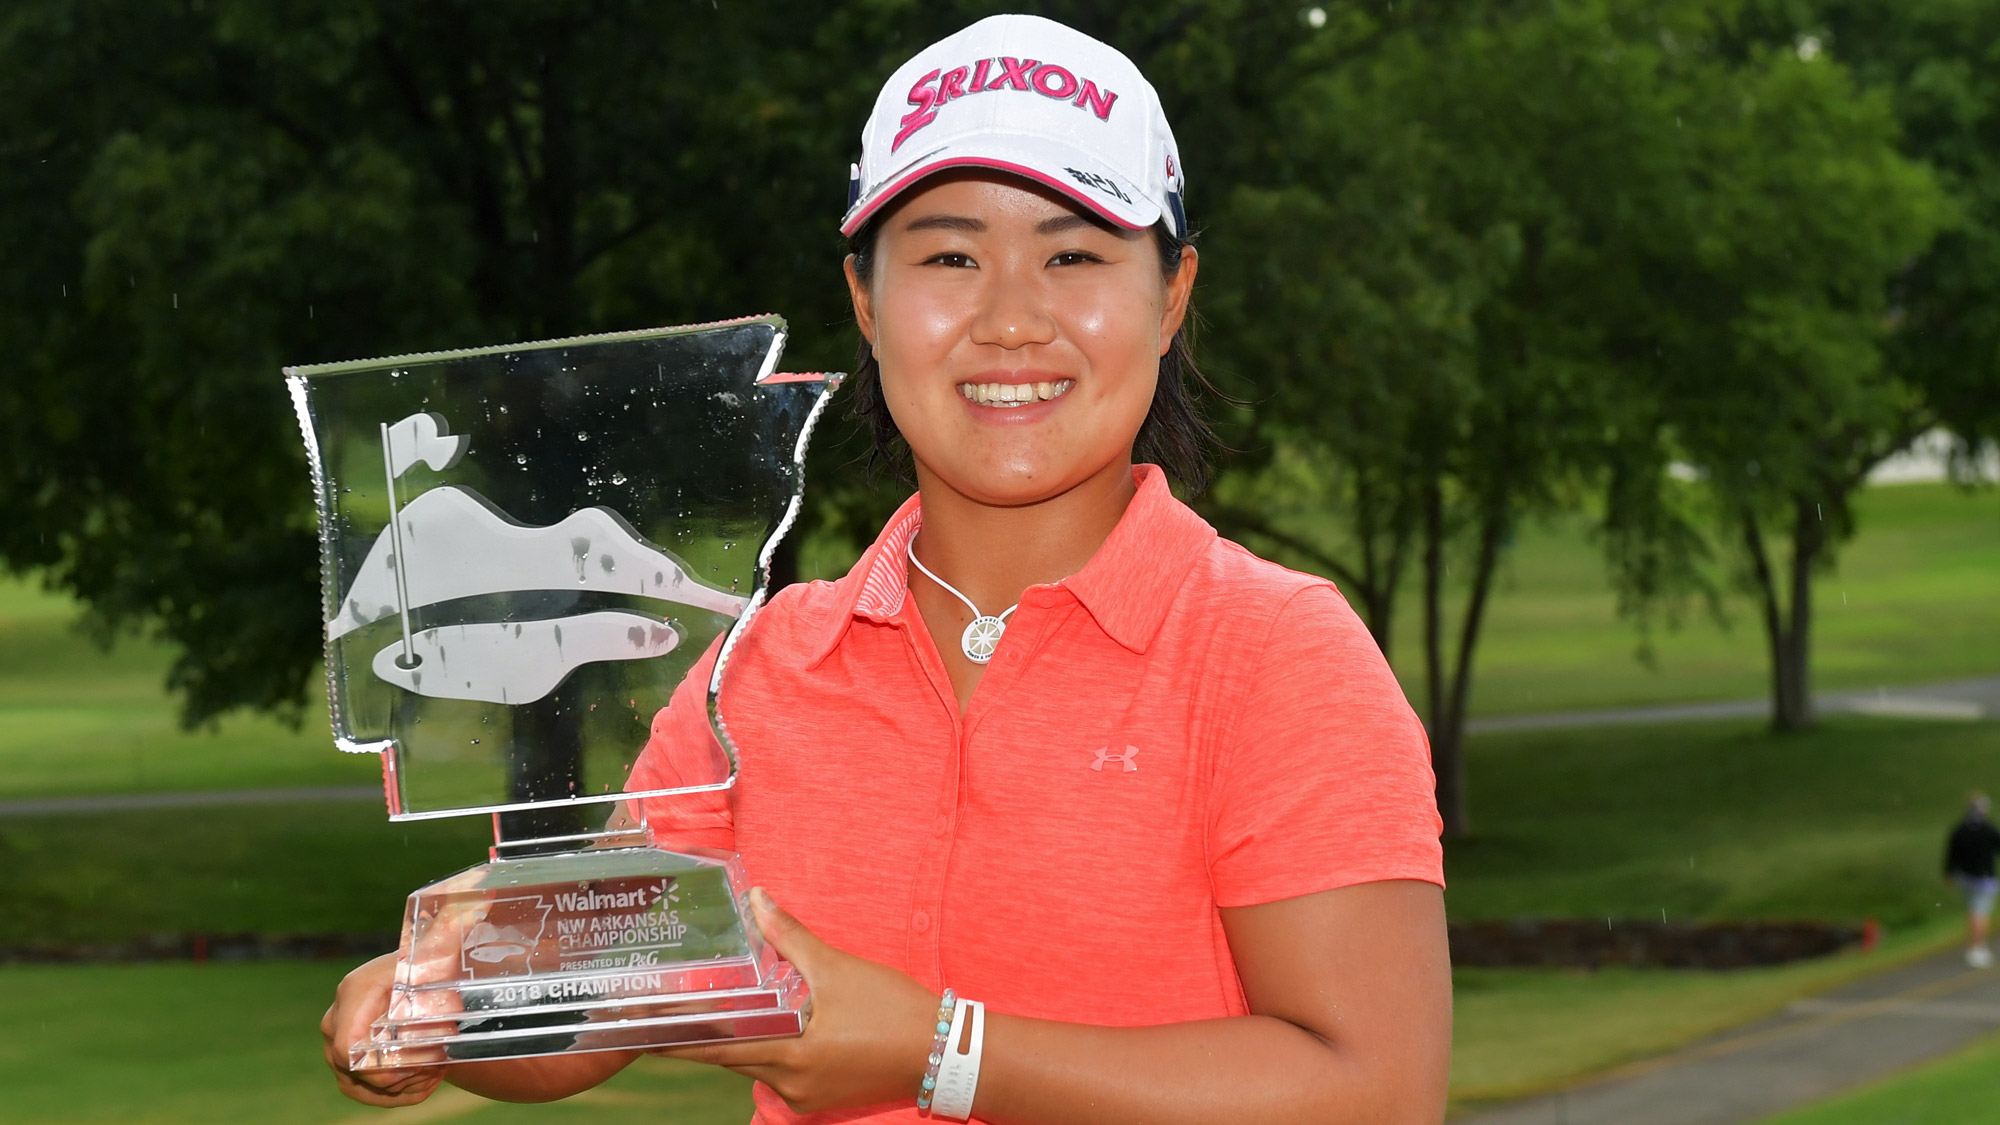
1178, 727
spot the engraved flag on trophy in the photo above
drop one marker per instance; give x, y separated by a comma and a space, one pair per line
524, 550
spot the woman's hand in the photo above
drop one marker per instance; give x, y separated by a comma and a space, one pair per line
867, 1041
361, 999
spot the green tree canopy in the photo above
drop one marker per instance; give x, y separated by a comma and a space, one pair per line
202, 193
1522, 260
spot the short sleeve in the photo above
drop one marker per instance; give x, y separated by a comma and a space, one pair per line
1326, 781
682, 751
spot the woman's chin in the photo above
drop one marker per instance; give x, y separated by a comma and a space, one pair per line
1017, 482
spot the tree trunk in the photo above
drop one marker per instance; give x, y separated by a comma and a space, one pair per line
547, 765
1377, 605
784, 563
1794, 707
1451, 691
1377, 590
1787, 616
555, 212
548, 736
1446, 732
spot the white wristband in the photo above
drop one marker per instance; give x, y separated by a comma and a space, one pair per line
958, 1077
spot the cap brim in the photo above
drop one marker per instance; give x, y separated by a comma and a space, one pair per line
1071, 171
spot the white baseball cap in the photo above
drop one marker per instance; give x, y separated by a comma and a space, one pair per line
1025, 95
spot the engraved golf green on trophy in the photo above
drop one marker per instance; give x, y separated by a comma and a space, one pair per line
524, 549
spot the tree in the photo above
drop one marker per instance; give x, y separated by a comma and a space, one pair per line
1517, 262
1780, 388
1931, 58
1438, 297
221, 191
203, 193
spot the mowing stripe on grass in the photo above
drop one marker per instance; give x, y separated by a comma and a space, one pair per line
122, 802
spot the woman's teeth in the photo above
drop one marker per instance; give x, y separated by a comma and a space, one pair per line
1014, 394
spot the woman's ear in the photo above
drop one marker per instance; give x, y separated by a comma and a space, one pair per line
864, 308
1180, 289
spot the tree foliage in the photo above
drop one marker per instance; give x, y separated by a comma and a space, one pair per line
1525, 259
204, 192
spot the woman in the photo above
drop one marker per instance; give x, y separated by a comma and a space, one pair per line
1052, 744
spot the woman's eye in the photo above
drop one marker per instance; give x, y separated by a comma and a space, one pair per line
1074, 258
954, 260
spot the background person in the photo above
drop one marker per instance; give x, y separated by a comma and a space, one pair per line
1166, 809
1969, 862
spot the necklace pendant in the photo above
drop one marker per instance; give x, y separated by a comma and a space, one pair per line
982, 637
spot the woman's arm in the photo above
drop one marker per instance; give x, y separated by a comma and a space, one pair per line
1350, 990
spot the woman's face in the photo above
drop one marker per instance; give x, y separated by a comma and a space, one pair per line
1019, 337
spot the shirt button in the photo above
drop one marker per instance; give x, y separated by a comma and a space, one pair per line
921, 922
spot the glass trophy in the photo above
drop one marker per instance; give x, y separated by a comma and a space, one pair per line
524, 550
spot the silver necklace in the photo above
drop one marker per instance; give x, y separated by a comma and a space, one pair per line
983, 635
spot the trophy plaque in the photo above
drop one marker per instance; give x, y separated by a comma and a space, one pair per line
524, 550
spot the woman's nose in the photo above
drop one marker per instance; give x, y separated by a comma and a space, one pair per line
1013, 312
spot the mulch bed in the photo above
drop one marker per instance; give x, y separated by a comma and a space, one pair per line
1580, 943
1524, 943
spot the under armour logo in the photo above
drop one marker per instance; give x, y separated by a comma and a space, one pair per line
1124, 760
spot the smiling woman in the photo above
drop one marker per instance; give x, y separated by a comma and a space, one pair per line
1174, 435
1155, 842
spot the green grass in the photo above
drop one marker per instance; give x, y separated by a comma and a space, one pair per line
240, 1043
1841, 823
1962, 1089
77, 719
1718, 820
1699, 820
300, 868
1915, 597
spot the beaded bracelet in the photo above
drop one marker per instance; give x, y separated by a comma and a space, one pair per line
929, 1088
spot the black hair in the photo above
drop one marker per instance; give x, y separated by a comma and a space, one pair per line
1175, 435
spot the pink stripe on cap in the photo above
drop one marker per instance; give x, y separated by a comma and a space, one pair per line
861, 213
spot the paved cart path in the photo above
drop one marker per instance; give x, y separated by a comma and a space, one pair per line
1818, 1047
1950, 699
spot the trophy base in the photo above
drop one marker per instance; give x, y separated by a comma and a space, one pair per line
599, 950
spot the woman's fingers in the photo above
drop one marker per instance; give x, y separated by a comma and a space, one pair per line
368, 1095
794, 943
361, 999
786, 934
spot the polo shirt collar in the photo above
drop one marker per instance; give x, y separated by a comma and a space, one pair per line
1130, 583
1127, 587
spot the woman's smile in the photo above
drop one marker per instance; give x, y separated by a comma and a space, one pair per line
1012, 396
